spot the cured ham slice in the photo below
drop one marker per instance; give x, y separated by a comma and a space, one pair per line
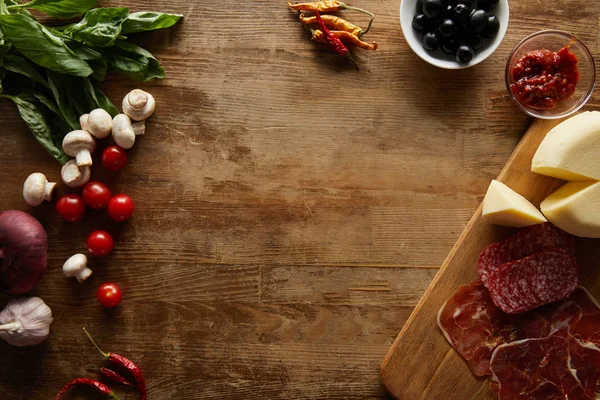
587, 328
526, 242
533, 281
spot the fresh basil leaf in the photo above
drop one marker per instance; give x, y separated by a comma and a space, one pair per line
99, 27
104, 102
61, 8
59, 92
34, 118
21, 66
149, 21
42, 47
134, 62
99, 67
45, 100
78, 97
84, 51
2, 73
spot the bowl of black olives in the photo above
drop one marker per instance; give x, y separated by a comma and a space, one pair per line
454, 34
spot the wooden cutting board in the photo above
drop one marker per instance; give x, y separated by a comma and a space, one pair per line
421, 364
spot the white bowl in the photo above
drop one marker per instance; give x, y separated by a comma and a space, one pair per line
408, 9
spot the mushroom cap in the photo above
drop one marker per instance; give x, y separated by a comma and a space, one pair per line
123, 132
34, 189
74, 265
83, 121
78, 140
98, 123
138, 105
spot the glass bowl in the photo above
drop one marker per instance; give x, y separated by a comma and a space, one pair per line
554, 40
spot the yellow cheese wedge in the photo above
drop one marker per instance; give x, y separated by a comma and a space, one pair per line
575, 208
571, 150
503, 206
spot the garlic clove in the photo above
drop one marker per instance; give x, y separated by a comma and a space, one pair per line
25, 321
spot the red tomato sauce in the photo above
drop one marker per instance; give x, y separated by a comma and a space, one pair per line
543, 78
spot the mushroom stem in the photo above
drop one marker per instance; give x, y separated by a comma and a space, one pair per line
48, 190
12, 326
83, 274
139, 128
83, 158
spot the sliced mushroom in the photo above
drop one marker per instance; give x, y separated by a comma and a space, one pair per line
74, 176
138, 105
98, 123
79, 144
36, 189
76, 266
123, 132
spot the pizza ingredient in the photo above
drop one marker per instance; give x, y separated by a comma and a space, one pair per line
109, 295
37, 189
327, 6
337, 23
76, 266
23, 252
79, 144
123, 132
96, 195
570, 150
98, 123
25, 321
100, 243
120, 208
138, 105
345, 37
503, 206
575, 208
114, 376
74, 176
71, 207
114, 158
525, 242
98, 386
543, 78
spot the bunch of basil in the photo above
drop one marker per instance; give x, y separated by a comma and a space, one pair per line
53, 68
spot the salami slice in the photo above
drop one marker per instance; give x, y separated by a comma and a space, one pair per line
533, 281
526, 242
551, 368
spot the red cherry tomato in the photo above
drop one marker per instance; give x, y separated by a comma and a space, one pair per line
100, 243
120, 208
96, 195
71, 207
114, 158
109, 295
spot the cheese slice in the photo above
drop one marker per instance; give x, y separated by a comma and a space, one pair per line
503, 206
571, 151
575, 208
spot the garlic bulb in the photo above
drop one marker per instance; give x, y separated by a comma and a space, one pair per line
25, 321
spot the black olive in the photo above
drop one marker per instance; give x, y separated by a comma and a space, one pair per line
475, 41
447, 27
420, 23
432, 8
492, 27
430, 41
460, 13
487, 5
478, 21
419, 6
464, 54
449, 46
447, 11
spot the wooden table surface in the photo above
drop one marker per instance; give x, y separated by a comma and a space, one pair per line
290, 211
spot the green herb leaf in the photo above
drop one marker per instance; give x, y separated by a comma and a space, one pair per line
21, 66
104, 102
99, 67
134, 62
99, 27
42, 47
34, 118
59, 91
61, 8
149, 21
45, 100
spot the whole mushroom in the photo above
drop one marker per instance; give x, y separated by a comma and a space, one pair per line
124, 131
36, 189
79, 144
138, 105
74, 176
76, 266
98, 123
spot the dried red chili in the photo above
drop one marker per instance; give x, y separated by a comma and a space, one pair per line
98, 386
327, 6
333, 41
115, 376
129, 365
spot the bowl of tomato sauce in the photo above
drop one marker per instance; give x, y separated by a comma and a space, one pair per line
550, 74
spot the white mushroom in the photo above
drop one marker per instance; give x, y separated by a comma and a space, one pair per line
98, 123
123, 132
76, 266
74, 176
138, 105
36, 189
139, 128
79, 144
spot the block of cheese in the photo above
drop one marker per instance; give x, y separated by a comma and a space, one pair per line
503, 206
575, 208
571, 150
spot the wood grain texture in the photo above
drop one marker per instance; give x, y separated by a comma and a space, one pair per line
290, 211
421, 364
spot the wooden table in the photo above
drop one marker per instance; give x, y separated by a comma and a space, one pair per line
290, 211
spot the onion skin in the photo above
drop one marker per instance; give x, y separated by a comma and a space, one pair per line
23, 252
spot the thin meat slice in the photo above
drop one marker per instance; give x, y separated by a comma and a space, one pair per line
533, 281
550, 368
526, 242
475, 327
587, 328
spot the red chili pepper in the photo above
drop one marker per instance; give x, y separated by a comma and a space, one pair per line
332, 41
129, 365
115, 376
98, 386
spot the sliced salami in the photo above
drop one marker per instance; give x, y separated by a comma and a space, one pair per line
526, 242
533, 281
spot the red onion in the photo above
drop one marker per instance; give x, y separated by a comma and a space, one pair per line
23, 248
